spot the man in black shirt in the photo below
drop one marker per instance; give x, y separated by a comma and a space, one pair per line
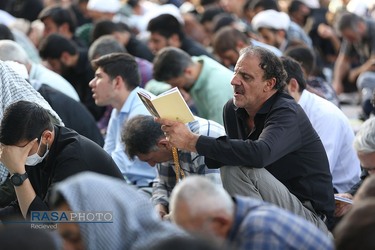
280, 156
39, 154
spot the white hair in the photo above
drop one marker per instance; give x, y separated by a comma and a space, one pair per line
365, 138
201, 196
11, 51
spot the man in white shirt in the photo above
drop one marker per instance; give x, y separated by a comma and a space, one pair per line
332, 126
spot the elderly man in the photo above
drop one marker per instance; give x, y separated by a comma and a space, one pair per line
281, 158
243, 223
364, 144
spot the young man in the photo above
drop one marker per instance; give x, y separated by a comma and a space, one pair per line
202, 77
167, 31
144, 138
39, 154
116, 83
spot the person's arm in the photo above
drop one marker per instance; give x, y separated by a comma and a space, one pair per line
14, 159
160, 192
342, 66
279, 137
369, 65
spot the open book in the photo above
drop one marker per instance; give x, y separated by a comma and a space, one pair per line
170, 105
339, 199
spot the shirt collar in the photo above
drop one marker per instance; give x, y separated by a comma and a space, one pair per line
128, 104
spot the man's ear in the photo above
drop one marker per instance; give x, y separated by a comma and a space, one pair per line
174, 41
47, 137
240, 45
119, 82
293, 86
221, 226
65, 58
163, 143
270, 84
64, 28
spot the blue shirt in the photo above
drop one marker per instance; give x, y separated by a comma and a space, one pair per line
138, 172
259, 225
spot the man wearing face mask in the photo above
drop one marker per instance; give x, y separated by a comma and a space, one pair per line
39, 154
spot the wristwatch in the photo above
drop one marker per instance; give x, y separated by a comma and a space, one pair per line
17, 179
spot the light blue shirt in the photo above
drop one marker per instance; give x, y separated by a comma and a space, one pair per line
138, 172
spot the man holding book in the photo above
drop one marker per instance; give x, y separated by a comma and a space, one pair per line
144, 138
271, 150
116, 83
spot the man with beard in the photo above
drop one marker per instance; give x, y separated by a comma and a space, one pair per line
202, 77
66, 59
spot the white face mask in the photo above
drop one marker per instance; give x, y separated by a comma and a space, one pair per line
34, 159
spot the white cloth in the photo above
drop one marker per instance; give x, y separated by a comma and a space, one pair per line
14, 88
39, 73
273, 49
110, 6
271, 19
135, 222
337, 136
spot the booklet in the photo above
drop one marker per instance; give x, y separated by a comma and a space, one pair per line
170, 105
344, 200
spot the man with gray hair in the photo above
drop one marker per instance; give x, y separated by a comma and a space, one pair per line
364, 144
203, 208
11, 51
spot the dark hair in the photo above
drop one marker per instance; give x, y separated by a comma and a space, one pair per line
265, 5
19, 236
120, 64
107, 27
105, 45
170, 63
24, 121
209, 14
270, 63
54, 45
140, 135
226, 39
222, 20
347, 20
5, 33
294, 70
294, 6
304, 55
59, 16
166, 25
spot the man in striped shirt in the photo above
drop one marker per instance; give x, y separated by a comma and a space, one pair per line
144, 138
